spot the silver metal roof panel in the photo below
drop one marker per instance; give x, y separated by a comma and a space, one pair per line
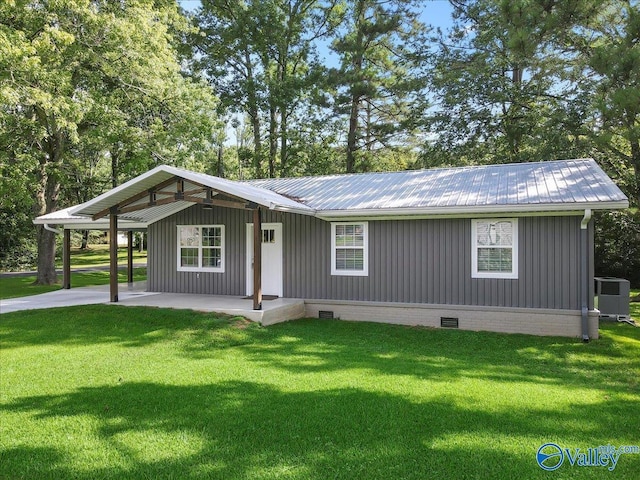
568, 184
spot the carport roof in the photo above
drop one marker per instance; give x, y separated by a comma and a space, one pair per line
143, 183
68, 220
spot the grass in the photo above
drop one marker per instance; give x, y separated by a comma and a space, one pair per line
98, 255
113, 392
94, 256
13, 287
634, 307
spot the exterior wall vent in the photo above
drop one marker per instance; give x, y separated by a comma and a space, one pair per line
325, 314
449, 322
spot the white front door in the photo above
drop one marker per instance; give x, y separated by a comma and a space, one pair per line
271, 259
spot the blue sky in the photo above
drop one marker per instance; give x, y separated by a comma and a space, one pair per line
435, 12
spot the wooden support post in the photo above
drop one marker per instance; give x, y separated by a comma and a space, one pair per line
66, 259
113, 255
129, 256
257, 259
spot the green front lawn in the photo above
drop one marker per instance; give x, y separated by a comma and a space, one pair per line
121, 392
12, 287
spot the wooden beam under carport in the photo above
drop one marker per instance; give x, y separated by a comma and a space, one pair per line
113, 255
257, 259
66, 259
129, 256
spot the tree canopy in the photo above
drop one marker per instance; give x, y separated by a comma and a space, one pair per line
92, 82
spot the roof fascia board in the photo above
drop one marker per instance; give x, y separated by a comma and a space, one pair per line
462, 212
310, 212
88, 223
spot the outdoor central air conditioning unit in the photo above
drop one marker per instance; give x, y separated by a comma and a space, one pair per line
612, 295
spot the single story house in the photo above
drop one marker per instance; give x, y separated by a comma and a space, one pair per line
499, 247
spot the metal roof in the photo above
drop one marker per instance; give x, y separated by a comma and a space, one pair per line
562, 185
540, 186
68, 220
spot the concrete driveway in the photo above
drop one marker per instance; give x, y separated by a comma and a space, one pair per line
273, 311
74, 296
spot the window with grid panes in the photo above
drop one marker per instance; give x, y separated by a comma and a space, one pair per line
495, 248
349, 249
201, 248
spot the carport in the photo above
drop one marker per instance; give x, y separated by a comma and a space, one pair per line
66, 221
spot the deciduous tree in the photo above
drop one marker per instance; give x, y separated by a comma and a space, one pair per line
80, 72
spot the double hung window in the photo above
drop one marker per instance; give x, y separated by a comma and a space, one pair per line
494, 248
349, 249
201, 248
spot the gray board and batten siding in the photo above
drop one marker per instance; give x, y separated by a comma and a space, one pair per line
420, 261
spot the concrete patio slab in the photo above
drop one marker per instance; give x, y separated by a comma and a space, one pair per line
73, 296
273, 311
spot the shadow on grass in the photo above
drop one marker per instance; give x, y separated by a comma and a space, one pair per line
124, 326
306, 346
437, 354
252, 430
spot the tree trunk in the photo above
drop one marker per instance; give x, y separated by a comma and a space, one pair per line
254, 114
114, 167
273, 140
46, 202
351, 136
283, 143
85, 240
635, 162
283, 104
356, 95
220, 169
46, 257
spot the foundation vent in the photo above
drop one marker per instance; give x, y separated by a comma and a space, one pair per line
449, 322
325, 314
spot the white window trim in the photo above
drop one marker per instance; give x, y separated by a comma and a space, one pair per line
365, 248
474, 250
200, 268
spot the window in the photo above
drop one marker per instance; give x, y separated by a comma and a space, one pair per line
269, 236
201, 248
495, 248
349, 249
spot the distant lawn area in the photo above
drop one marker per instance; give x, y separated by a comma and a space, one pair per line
114, 392
98, 255
94, 256
12, 287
